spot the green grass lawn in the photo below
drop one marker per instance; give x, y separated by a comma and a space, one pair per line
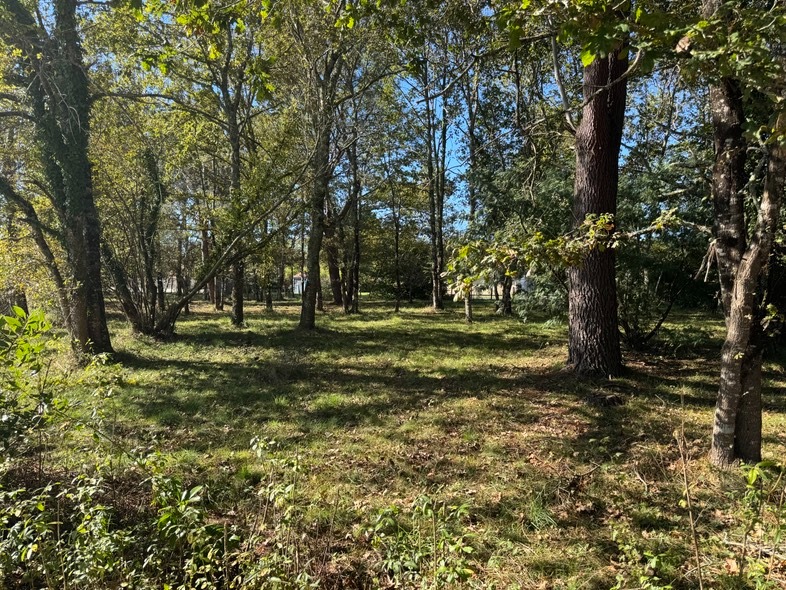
568, 484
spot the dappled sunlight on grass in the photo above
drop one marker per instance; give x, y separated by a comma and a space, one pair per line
385, 407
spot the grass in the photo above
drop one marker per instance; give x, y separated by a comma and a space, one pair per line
570, 483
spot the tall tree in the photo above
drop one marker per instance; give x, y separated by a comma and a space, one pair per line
52, 93
757, 33
593, 341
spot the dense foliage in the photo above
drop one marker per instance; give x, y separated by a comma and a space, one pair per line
586, 165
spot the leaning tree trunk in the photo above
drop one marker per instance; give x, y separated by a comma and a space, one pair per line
594, 340
736, 433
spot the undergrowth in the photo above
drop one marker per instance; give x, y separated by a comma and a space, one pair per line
440, 488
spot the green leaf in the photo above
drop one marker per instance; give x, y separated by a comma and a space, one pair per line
587, 57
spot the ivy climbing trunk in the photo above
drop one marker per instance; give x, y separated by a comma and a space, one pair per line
53, 75
594, 341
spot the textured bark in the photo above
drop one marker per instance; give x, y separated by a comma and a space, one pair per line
238, 287
324, 86
356, 256
594, 341
468, 307
218, 289
332, 256
736, 433
319, 193
747, 436
728, 182
57, 89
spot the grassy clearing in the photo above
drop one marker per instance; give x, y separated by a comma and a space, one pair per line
569, 484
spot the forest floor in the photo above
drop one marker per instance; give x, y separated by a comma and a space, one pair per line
564, 483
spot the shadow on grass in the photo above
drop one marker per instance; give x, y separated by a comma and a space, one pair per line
350, 372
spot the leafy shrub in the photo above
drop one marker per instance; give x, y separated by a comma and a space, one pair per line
544, 298
764, 518
26, 392
427, 547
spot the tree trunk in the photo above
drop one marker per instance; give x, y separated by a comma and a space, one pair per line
319, 193
736, 433
282, 268
320, 298
58, 95
160, 292
238, 285
468, 306
356, 257
218, 289
206, 243
506, 307
747, 439
434, 193
269, 298
322, 121
594, 341
396, 212
334, 269
728, 182
397, 248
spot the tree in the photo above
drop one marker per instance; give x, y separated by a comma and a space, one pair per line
593, 333
50, 89
748, 67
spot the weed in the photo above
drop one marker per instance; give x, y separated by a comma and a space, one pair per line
426, 547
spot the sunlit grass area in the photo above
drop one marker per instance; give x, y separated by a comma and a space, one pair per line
568, 484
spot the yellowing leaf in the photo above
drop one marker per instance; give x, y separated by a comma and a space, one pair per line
587, 57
